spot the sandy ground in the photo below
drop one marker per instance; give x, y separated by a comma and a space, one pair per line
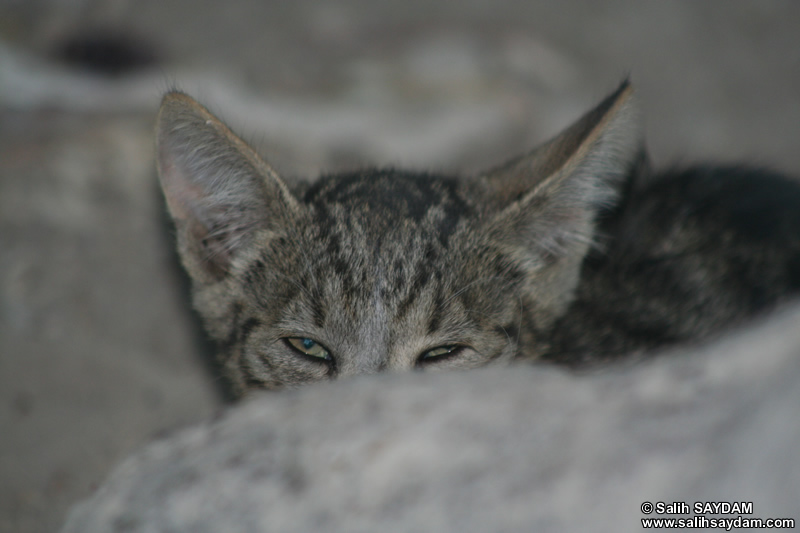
99, 351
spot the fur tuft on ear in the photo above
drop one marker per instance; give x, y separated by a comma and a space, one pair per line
218, 190
548, 199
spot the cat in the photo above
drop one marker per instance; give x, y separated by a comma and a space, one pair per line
575, 253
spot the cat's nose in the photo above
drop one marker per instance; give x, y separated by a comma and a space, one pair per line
361, 366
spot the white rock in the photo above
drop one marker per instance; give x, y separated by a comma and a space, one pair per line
507, 449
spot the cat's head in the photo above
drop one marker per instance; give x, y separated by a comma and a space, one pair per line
384, 269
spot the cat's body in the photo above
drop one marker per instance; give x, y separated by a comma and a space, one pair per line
570, 254
695, 252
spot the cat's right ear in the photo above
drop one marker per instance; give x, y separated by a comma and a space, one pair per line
219, 192
549, 198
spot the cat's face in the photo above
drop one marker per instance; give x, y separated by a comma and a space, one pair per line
379, 269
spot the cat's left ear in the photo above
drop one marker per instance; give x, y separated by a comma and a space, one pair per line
547, 201
220, 193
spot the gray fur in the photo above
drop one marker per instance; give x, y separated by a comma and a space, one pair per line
541, 258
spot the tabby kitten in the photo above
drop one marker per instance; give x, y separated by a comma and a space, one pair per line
571, 253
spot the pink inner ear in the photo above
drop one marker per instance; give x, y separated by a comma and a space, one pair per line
187, 201
184, 196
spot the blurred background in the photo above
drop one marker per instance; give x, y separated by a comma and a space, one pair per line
99, 351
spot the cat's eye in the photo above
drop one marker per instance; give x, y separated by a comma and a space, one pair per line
309, 347
439, 353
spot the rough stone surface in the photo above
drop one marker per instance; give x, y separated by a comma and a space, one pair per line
513, 449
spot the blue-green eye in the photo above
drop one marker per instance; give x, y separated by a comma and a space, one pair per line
309, 347
439, 353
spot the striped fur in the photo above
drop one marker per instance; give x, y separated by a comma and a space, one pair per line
381, 266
